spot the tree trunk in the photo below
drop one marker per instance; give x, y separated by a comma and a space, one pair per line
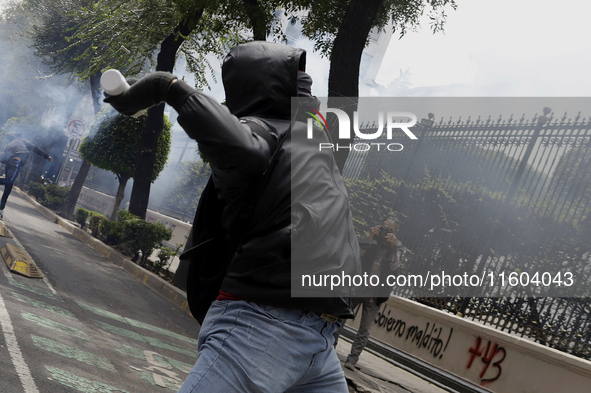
67, 209
343, 78
119, 196
144, 166
257, 17
146, 156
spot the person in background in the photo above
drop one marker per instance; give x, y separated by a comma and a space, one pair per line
15, 156
380, 261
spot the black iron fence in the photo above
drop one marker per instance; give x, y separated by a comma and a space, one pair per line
503, 201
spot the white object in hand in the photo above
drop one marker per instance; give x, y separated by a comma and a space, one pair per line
114, 83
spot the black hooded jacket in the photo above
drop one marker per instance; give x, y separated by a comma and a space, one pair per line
302, 214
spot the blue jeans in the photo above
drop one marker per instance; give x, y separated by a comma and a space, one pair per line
12, 168
247, 347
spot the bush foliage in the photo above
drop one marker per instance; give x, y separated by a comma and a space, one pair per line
455, 228
132, 233
81, 216
51, 196
94, 222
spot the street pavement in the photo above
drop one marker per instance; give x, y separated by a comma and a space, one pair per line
374, 374
91, 326
88, 325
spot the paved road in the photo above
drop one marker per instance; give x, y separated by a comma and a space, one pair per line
87, 326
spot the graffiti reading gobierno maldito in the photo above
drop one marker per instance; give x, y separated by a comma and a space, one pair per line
432, 337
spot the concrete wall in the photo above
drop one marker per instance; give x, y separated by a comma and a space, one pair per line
103, 203
483, 355
96, 201
180, 229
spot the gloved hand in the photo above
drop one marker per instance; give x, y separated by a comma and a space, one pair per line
148, 91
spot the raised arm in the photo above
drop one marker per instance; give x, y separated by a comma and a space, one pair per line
36, 149
231, 148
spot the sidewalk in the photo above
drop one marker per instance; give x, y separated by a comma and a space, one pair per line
374, 374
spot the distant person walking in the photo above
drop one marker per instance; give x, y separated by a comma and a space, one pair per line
15, 156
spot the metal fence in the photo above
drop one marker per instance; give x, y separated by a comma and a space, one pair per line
491, 198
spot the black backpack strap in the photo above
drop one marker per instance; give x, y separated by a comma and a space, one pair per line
266, 133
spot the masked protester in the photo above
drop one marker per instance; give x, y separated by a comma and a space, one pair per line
266, 193
15, 156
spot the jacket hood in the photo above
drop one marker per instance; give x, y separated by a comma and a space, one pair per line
261, 77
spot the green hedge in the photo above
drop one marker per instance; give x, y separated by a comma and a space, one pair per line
81, 216
131, 233
94, 223
37, 190
51, 195
164, 256
140, 235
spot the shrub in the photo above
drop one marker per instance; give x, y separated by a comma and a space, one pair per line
37, 191
53, 190
51, 196
125, 215
81, 216
111, 232
94, 223
140, 235
164, 256
54, 203
131, 233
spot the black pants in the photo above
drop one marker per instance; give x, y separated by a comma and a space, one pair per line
12, 169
